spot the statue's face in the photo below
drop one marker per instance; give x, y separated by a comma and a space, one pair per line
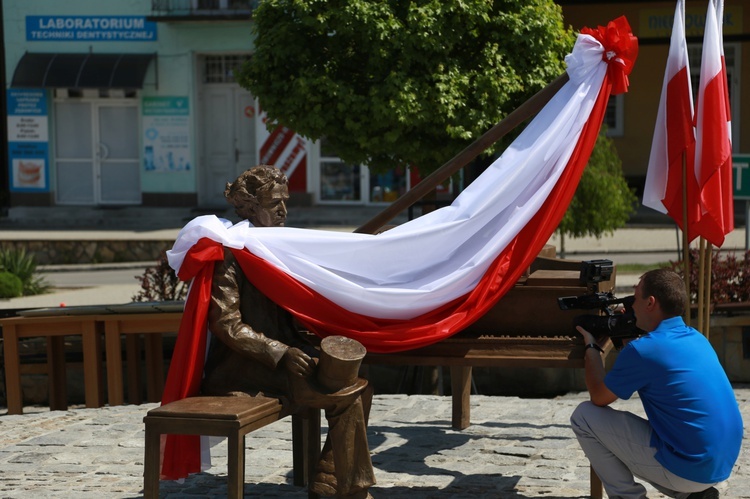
271, 211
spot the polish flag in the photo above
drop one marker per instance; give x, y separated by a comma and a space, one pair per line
713, 152
674, 136
720, 25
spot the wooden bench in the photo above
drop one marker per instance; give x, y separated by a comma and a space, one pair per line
233, 418
151, 326
53, 329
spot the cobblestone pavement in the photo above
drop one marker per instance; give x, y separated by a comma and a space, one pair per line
515, 448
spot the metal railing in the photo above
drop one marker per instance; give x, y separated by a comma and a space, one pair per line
202, 8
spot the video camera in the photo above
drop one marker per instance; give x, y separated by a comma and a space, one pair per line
617, 324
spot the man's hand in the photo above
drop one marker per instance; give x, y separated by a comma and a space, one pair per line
299, 363
587, 337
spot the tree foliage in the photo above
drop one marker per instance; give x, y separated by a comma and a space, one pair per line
603, 201
394, 83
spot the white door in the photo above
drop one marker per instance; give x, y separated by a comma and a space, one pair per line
97, 153
228, 139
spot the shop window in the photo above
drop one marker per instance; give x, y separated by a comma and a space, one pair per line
613, 117
388, 186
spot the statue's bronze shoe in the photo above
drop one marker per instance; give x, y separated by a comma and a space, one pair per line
324, 484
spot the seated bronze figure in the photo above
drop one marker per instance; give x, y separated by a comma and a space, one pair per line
256, 348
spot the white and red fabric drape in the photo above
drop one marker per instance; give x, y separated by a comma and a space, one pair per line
426, 279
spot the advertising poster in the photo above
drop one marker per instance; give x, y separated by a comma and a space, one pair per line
28, 140
166, 128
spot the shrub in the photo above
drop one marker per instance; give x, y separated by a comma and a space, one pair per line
160, 283
22, 264
730, 276
10, 285
603, 201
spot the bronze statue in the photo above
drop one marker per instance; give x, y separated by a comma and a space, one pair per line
256, 348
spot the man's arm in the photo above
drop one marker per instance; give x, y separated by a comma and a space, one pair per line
594, 365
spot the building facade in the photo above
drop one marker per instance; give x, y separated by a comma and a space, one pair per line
135, 103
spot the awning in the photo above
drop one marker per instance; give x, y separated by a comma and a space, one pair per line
85, 70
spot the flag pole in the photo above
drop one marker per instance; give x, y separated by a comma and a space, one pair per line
707, 293
701, 283
685, 242
515, 118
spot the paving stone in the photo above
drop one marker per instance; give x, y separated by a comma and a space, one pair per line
515, 448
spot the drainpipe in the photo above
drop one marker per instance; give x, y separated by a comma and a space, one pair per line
4, 167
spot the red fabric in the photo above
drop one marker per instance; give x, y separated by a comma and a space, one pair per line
182, 453
716, 190
681, 149
620, 51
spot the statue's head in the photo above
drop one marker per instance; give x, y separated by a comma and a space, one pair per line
260, 195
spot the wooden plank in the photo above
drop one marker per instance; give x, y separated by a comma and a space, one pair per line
114, 363
12, 369
56, 374
92, 365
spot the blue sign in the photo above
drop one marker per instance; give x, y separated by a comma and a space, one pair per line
90, 29
28, 140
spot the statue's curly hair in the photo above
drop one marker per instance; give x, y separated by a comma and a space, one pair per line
244, 191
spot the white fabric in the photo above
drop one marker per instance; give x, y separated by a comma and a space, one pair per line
427, 262
710, 69
658, 162
720, 26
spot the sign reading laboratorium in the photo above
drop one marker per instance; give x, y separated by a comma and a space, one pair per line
28, 139
90, 29
166, 140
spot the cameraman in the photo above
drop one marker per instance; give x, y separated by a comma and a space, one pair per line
693, 433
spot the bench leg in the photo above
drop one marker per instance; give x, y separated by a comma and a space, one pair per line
56, 373
596, 485
236, 466
305, 446
92, 365
155, 369
113, 350
461, 394
151, 463
133, 355
14, 394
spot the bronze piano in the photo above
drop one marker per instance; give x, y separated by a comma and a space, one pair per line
526, 328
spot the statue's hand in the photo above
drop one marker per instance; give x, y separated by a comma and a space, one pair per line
298, 362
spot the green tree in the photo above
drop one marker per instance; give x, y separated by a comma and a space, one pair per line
603, 201
394, 83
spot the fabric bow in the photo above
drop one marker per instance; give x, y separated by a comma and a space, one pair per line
620, 51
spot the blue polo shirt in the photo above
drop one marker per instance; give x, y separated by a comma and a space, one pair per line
690, 404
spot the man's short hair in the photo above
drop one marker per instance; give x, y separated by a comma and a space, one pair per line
246, 188
668, 288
